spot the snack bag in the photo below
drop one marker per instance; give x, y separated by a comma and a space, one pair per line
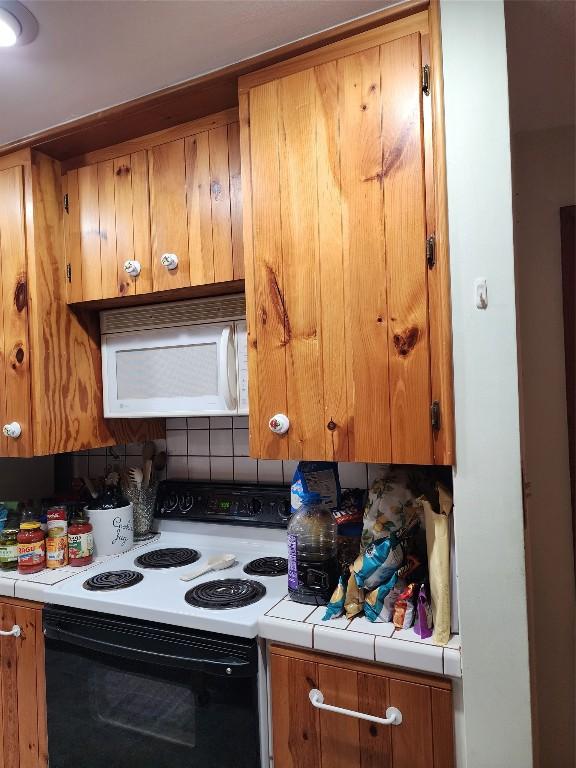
335, 607
387, 612
391, 503
374, 603
404, 608
380, 560
354, 602
423, 624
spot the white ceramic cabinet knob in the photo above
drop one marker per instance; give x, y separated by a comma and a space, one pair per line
279, 424
169, 260
13, 430
132, 267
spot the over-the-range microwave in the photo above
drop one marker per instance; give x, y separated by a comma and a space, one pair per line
187, 358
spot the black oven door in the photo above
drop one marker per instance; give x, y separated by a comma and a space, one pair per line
131, 694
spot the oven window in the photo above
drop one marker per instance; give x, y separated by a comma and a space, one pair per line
109, 712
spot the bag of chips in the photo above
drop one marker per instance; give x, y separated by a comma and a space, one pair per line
380, 560
335, 607
405, 607
374, 602
423, 624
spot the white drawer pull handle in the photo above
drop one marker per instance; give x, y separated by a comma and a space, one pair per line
13, 430
169, 260
393, 715
14, 632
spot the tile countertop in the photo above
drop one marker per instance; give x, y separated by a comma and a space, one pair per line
297, 624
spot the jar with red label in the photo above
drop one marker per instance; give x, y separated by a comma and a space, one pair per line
31, 548
80, 540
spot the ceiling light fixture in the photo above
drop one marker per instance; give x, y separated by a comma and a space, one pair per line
18, 26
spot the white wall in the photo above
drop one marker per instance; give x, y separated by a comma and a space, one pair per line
543, 176
487, 491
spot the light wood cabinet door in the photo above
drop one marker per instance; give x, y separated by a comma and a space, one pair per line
305, 737
196, 210
23, 737
337, 216
150, 198
14, 346
107, 222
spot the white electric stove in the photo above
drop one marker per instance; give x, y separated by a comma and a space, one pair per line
167, 670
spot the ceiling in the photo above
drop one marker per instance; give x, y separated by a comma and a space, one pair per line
93, 54
541, 42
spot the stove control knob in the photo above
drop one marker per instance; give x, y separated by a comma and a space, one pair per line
256, 506
228, 670
284, 509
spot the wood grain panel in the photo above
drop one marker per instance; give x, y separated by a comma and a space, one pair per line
3, 403
412, 741
269, 338
141, 225
72, 238
364, 667
236, 199
255, 422
41, 694
64, 344
330, 264
365, 304
301, 265
417, 22
405, 217
168, 214
375, 740
16, 352
107, 214
220, 197
339, 734
27, 687
123, 198
295, 722
88, 208
9, 674
147, 140
200, 243
443, 728
439, 277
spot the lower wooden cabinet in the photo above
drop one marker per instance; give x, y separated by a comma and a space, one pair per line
305, 737
23, 735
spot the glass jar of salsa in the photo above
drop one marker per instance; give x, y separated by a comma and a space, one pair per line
9, 549
80, 540
31, 548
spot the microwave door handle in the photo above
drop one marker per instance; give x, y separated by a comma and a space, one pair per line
227, 390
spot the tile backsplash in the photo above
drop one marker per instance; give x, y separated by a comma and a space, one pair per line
214, 448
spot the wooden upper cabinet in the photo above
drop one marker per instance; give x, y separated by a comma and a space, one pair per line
349, 335
14, 345
172, 194
50, 365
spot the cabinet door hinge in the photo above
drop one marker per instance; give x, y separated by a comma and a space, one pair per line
435, 415
431, 251
66, 206
426, 80
69, 272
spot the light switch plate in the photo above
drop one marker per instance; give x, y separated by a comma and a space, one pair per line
481, 293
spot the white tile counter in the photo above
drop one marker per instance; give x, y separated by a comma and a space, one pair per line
302, 625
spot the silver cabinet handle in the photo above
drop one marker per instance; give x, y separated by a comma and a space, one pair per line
14, 632
393, 715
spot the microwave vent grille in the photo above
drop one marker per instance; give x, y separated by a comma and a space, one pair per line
219, 308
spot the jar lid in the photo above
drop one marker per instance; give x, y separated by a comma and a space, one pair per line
29, 526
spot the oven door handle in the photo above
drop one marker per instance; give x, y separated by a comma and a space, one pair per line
229, 666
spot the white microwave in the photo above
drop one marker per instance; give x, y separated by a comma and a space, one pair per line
187, 358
